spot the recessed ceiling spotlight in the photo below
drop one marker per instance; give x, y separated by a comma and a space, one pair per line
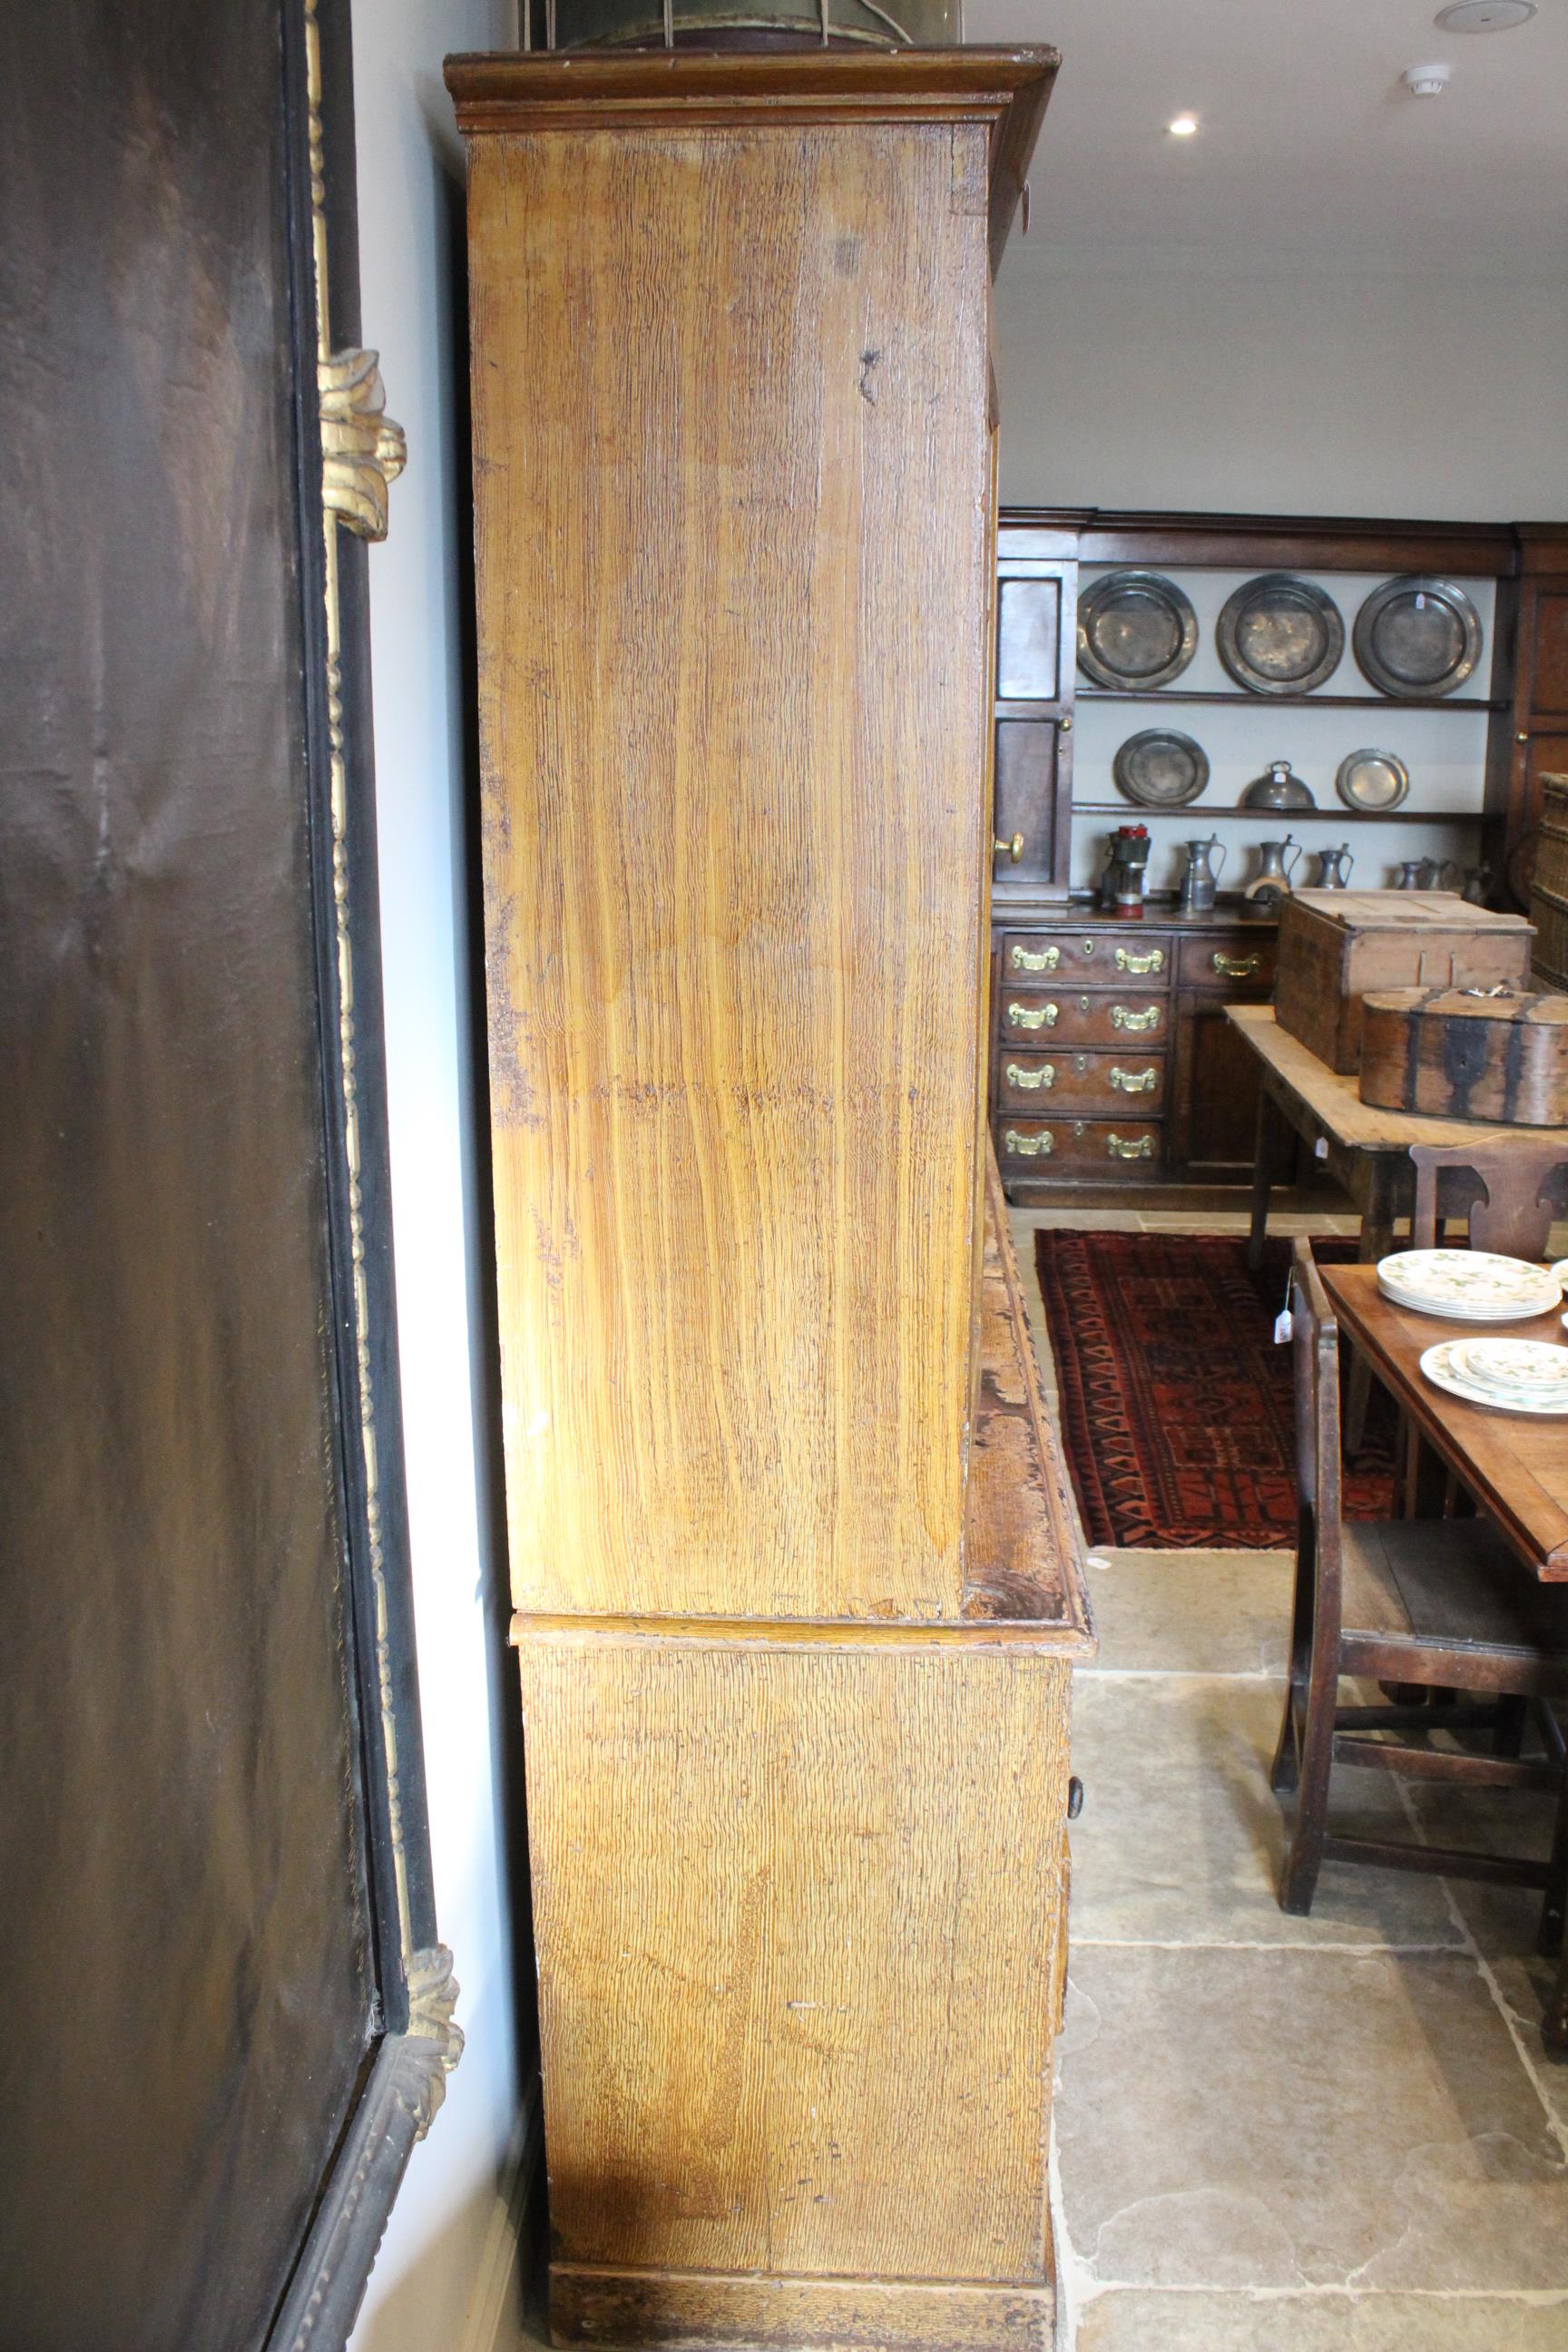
1485, 15
1183, 127
1427, 81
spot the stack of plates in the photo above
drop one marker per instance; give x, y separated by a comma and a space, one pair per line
1514, 1375
1469, 1286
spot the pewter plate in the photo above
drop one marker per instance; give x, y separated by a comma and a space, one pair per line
1416, 635
1279, 634
1160, 769
1372, 780
1135, 629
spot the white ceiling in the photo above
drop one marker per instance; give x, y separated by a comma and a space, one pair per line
1309, 152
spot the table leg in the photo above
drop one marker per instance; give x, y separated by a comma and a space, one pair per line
1263, 1175
1376, 1238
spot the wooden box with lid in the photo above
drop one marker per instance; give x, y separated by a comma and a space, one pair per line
796, 1587
1335, 945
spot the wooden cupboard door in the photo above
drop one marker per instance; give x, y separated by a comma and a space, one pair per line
1028, 639
1214, 1126
732, 473
1028, 787
1550, 668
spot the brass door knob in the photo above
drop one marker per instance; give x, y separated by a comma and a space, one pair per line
1012, 847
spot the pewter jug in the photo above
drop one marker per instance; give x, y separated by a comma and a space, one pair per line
1478, 885
1408, 878
1334, 868
1201, 879
1272, 881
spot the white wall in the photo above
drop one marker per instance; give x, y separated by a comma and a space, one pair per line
444, 2225
1298, 389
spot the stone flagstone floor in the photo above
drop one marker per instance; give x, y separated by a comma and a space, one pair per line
1337, 2134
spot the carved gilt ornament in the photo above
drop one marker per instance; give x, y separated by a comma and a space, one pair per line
362, 449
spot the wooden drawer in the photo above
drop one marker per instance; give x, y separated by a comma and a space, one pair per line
1104, 1149
1095, 958
1059, 1081
1043, 1018
1233, 960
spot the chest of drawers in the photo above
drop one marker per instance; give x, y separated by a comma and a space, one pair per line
1111, 1062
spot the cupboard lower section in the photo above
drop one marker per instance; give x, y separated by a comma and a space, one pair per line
799, 1906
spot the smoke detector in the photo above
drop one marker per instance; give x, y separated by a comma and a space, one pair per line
1485, 15
1427, 81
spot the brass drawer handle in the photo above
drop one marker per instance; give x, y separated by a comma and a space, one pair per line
1045, 1076
1127, 960
1148, 1019
1045, 960
1236, 967
1028, 1147
1135, 1082
1033, 1016
1116, 1149
1012, 847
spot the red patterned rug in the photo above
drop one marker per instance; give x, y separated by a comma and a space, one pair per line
1175, 1402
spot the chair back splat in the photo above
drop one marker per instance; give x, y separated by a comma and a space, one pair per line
1519, 1186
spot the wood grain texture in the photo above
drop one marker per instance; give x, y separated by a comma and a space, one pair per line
1025, 1584
657, 2307
734, 555
1004, 91
797, 1921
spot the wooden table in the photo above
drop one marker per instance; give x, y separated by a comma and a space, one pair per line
1365, 1149
1514, 1464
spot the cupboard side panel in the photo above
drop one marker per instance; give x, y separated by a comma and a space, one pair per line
732, 490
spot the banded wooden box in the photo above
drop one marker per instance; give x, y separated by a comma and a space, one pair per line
1336, 945
1465, 1053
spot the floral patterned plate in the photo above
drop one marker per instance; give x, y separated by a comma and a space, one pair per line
1521, 1369
1438, 1365
1470, 1286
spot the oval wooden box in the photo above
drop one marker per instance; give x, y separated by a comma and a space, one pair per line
1453, 1052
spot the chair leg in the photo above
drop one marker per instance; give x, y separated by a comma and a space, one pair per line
1304, 1852
1284, 1772
1554, 1901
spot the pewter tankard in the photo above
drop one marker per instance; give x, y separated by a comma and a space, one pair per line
1201, 879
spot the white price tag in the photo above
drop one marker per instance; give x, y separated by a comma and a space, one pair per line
1321, 1149
1283, 1327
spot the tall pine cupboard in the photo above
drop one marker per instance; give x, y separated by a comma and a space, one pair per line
796, 1582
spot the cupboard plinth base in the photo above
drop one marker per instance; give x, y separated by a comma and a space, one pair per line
627, 2308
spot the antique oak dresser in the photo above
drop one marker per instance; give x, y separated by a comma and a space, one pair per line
796, 1592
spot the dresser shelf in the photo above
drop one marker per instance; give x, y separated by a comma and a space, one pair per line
1152, 695
1201, 809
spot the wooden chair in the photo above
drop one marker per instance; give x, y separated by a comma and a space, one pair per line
1441, 1604
1521, 1187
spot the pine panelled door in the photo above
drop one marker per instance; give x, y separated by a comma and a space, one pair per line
794, 1576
